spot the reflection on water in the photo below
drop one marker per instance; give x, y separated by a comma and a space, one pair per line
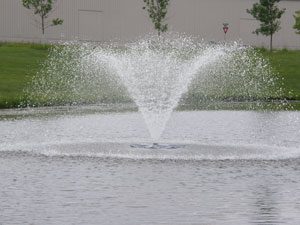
80, 190
266, 206
237, 167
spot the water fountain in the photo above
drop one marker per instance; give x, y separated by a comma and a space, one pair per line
91, 161
154, 72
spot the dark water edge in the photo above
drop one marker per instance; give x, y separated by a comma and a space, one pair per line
186, 103
275, 105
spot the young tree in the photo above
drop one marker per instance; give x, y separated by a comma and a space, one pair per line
268, 13
157, 10
42, 8
297, 22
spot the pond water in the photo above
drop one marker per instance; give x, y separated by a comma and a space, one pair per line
77, 167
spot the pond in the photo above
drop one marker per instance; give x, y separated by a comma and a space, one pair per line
76, 166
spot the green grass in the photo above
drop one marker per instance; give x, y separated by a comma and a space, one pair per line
20, 61
287, 64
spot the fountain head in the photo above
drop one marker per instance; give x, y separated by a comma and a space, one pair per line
157, 146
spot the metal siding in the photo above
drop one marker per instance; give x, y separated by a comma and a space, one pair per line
6, 24
87, 30
125, 20
249, 38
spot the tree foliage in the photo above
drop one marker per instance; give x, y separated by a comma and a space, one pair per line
297, 22
157, 10
268, 13
42, 8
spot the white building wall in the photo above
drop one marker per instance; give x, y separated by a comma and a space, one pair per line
205, 18
104, 20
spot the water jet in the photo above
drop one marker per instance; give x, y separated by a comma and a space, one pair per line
157, 73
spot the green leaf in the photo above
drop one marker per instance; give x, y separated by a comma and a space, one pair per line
57, 21
297, 22
157, 11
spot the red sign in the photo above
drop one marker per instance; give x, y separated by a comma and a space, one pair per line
225, 29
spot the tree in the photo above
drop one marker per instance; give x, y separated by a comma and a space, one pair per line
268, 13
157, 10
42, 8
297, 22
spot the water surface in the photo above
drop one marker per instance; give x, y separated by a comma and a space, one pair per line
237, 167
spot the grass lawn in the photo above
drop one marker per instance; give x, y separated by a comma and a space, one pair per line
19, 62
287, 64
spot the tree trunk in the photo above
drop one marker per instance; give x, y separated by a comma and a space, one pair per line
271, 42
43, 25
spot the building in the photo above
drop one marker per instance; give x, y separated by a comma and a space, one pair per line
104, 20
